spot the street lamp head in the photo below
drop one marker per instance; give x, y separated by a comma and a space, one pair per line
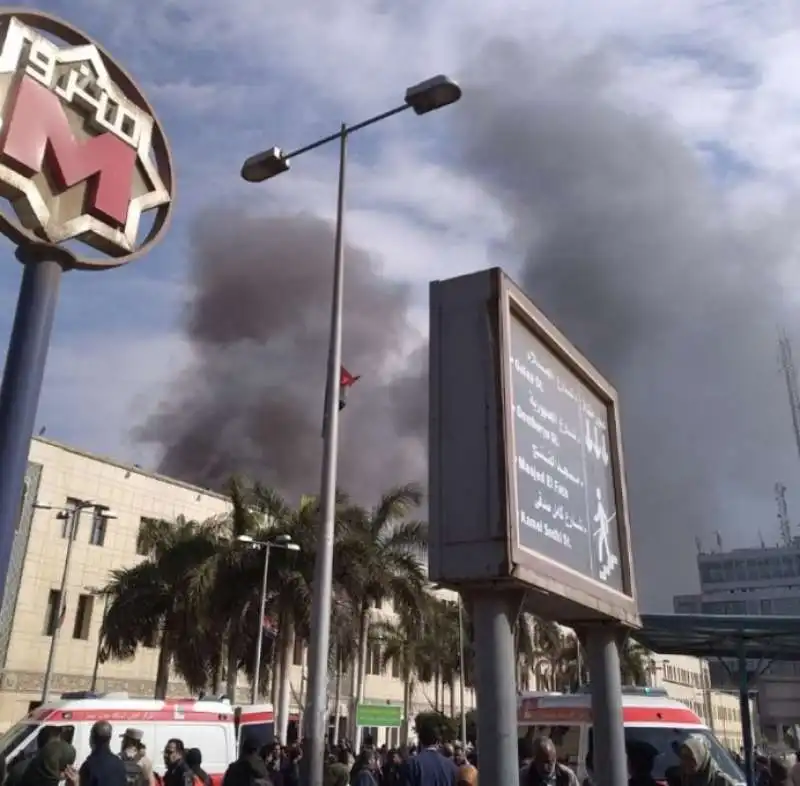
265, 165
282, 539
434, 93
245, 539
292, 547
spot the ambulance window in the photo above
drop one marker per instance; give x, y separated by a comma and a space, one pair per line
17, 735
567, 740
661, 745
259, 734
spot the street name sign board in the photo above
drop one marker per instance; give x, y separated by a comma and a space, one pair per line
526, 468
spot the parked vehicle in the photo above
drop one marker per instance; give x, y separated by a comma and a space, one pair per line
212, 725
650, 718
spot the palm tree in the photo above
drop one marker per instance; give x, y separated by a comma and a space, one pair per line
225, 589
147, 604
633, 662
383, 552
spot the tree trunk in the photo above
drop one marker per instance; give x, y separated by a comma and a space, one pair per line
216, 677
287, 646
408, 692
436, 687
361, 665
337, 701
162, 672
232, 670
453, 698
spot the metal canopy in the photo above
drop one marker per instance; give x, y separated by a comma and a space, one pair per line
722, 635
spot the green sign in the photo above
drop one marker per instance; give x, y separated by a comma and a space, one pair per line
379, 715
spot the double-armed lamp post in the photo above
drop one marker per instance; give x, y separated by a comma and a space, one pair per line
278, 542
425, 97
71, 516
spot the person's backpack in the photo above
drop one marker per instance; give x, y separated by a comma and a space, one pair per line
134, 774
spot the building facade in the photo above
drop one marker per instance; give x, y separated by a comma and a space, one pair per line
688, 680
105, 539
760, 581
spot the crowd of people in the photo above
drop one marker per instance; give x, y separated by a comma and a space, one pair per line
429, 763
54, 762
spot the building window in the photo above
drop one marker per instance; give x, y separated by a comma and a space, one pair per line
97, 537
83, 617
297, 652
395, 669
151, 641
374, 658
144, 523
54, 614
70, 517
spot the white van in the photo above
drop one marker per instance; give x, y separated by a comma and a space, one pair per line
649, 717
213, 726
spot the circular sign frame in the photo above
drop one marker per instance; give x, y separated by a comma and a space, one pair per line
61, 188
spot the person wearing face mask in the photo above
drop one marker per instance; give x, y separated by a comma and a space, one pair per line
698, 767
544, 769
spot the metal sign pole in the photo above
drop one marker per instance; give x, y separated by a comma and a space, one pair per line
494, 614
22, 381
610, 762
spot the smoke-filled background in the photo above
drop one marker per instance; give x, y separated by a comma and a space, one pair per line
621, 234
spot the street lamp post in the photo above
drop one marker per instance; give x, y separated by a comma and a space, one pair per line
427, 96
463, 669
97, 592
280, 542
71, 516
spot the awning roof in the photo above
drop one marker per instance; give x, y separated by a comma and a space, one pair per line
721, 635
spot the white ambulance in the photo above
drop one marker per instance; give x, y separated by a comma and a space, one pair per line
650, 718
212, 725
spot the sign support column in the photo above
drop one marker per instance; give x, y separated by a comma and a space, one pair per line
22, 379
610, 762
494, 614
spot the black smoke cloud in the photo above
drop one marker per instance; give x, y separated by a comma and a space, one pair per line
623, 240
258, 321
631, 250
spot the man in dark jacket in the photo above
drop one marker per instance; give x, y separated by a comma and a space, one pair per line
429, 767
102, 767
194, 758
178, 772
544, 769
249, 769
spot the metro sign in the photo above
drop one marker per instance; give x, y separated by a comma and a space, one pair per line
77, 153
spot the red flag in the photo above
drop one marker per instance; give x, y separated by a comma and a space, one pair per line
346, 380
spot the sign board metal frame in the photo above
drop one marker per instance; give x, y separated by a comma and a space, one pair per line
474, 518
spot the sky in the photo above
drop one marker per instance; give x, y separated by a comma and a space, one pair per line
635, 169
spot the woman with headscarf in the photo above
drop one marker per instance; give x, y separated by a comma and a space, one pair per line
779, 772
52, 764
698, 767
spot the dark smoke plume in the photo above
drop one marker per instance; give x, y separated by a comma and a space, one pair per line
258, 322
632, 251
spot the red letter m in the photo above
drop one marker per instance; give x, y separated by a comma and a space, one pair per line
38, 133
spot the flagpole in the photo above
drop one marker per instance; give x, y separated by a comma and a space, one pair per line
316, 720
